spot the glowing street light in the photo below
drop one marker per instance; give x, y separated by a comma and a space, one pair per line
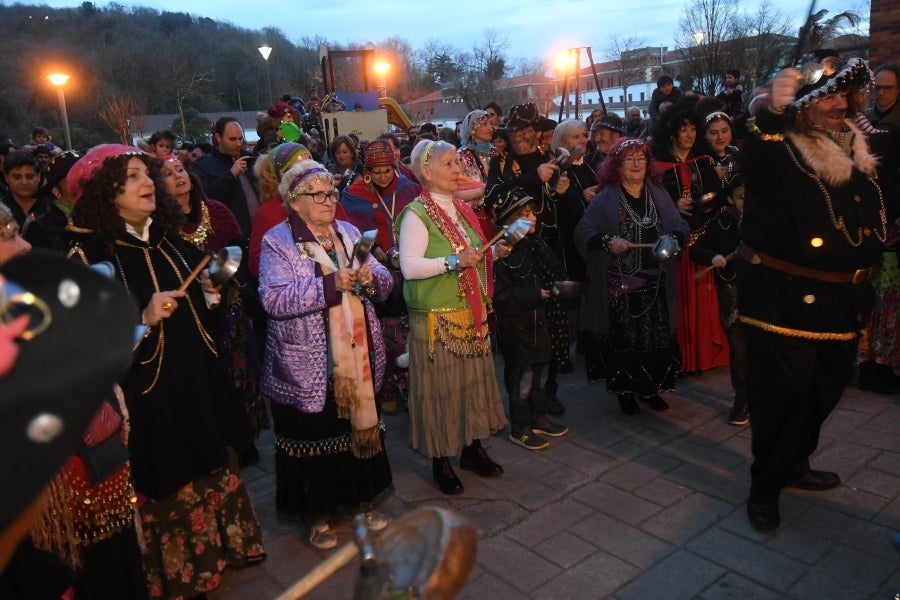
565, 61
266, 50
59, 80
382, 68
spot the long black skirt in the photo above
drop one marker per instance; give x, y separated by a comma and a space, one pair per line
639, 353
323, 476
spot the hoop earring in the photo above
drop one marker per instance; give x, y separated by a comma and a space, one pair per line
367, 179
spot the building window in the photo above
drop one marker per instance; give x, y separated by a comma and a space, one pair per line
629, 97
642, 97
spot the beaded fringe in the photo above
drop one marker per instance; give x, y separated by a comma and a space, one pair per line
456, 331
54, 530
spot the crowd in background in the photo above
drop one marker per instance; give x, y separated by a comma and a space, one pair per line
617, 240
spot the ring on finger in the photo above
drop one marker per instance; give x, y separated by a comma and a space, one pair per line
168, 306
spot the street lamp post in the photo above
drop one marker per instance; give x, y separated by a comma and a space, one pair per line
59, 80
266, 50
382, 68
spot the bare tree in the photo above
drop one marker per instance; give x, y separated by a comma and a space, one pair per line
764, 43
183, 82
628, 55
705, 26
489, 66
119, 114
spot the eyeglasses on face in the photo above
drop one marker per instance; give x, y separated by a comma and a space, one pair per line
322, 197
635, 159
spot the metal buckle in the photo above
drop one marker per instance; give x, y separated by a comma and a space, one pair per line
861, 275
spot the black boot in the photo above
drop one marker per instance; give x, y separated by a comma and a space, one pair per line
877, 378
628, 404
475, 458
445, 477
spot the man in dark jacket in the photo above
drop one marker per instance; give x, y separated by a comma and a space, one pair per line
227, 175
814, 223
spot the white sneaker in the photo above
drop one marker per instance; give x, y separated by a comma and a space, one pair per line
322, 537
375, 521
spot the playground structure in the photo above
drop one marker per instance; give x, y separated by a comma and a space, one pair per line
364, 113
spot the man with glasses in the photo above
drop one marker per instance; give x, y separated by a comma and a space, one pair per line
885, 112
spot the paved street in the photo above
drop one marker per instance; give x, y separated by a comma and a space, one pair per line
640, 507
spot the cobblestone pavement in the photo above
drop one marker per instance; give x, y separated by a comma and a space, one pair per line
640, 507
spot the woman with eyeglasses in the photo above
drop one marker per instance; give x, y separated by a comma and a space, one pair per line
324, 358
631, 305
375, 202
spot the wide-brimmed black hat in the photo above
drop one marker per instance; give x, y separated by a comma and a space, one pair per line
611, 122
508, 203
56, 169
522, 116
545, 124
54, 375
822, 73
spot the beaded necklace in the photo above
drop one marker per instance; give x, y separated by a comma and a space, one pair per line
650, 217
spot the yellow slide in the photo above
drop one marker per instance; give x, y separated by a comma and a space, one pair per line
395, 114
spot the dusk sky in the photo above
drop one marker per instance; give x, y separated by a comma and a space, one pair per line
531, 29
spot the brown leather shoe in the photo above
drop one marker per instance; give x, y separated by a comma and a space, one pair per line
815, 481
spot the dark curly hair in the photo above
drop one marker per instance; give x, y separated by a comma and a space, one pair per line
670, 122
96, 209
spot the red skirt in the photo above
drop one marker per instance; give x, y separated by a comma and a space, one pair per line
701, 338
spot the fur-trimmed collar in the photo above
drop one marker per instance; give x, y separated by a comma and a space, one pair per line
826, 159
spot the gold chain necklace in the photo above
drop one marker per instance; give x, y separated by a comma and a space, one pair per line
199, 235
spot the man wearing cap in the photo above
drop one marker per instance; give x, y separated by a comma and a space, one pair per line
605, 132
814, 224
528, 166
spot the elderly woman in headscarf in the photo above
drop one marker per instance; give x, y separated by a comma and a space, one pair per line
324, 358
475, 150
454, 399
269, 169
187, 479
374, 203
11, 241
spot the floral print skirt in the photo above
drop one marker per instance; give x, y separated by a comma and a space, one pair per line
192, 535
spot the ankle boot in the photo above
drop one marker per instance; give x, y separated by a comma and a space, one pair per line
475, 458
445, 477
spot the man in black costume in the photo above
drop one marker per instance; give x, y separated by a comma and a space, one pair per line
814, 224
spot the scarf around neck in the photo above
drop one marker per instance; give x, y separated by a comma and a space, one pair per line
468, 279
354, 388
